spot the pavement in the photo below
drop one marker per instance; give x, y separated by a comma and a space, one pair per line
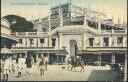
56, 73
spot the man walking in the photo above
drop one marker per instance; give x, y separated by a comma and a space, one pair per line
46, 63
29, 64
41, 65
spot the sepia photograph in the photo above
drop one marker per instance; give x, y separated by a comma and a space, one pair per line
63, 40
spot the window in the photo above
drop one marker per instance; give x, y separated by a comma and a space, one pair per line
41, 42
91, 41
53, 42
120, 41
31, 42
44, 30
106, 41
20, 41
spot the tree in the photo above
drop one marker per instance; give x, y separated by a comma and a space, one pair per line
19, 24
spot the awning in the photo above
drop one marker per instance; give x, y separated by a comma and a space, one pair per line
14, 39
112, 51
61, 52
80, 52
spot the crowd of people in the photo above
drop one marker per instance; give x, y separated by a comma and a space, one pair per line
11, 64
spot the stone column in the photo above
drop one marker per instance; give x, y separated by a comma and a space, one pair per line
124, 44
110, 41
60, 41
49, 19
50, 42
26, 42
85, 18
37, 42
115, 41
48, 55
61, 17
99, 23
125, 68
56, 46
85, 41
113, 58
46, 42
25, 54
101, 41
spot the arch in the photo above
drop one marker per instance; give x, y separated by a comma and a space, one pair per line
73, 48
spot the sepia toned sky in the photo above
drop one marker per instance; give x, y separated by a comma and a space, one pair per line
32, 9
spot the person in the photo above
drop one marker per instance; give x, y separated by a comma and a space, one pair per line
10, 62
13, 64
37, 63
46, 63
19, 67
23, 62
29, 64
6, 69
41, 65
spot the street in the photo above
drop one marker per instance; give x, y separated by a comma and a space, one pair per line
56, 73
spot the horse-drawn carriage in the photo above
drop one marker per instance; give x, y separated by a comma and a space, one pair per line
72, 63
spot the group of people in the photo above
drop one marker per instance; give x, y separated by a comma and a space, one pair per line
16, 65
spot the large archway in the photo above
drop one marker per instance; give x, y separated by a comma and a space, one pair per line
73, 48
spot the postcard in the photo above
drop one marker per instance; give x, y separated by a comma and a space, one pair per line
63, 40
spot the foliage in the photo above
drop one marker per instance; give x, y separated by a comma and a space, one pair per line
19, 24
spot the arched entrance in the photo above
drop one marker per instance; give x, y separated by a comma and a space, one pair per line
73, 48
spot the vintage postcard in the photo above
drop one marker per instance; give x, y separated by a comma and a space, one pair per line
63, 40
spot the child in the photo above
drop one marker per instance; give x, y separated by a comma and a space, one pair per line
6, 69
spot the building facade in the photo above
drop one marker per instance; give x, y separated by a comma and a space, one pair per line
72, 30
6, 39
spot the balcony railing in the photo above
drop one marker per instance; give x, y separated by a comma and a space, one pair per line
28, 33
21, 33
113, 31
119, 31
33, 47
32, 33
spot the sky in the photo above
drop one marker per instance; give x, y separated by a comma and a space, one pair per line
33, 9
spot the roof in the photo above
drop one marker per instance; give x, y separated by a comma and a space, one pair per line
4, 22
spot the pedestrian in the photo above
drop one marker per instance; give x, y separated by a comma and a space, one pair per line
6, 69
41, 65
23, 62
29, 64
46, 63
14, 64
37, 63
19, 67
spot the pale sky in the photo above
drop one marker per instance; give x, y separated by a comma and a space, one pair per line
115, 8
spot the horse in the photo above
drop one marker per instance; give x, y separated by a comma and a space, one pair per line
71, 63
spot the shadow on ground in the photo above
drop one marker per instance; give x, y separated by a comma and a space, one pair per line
105, 75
